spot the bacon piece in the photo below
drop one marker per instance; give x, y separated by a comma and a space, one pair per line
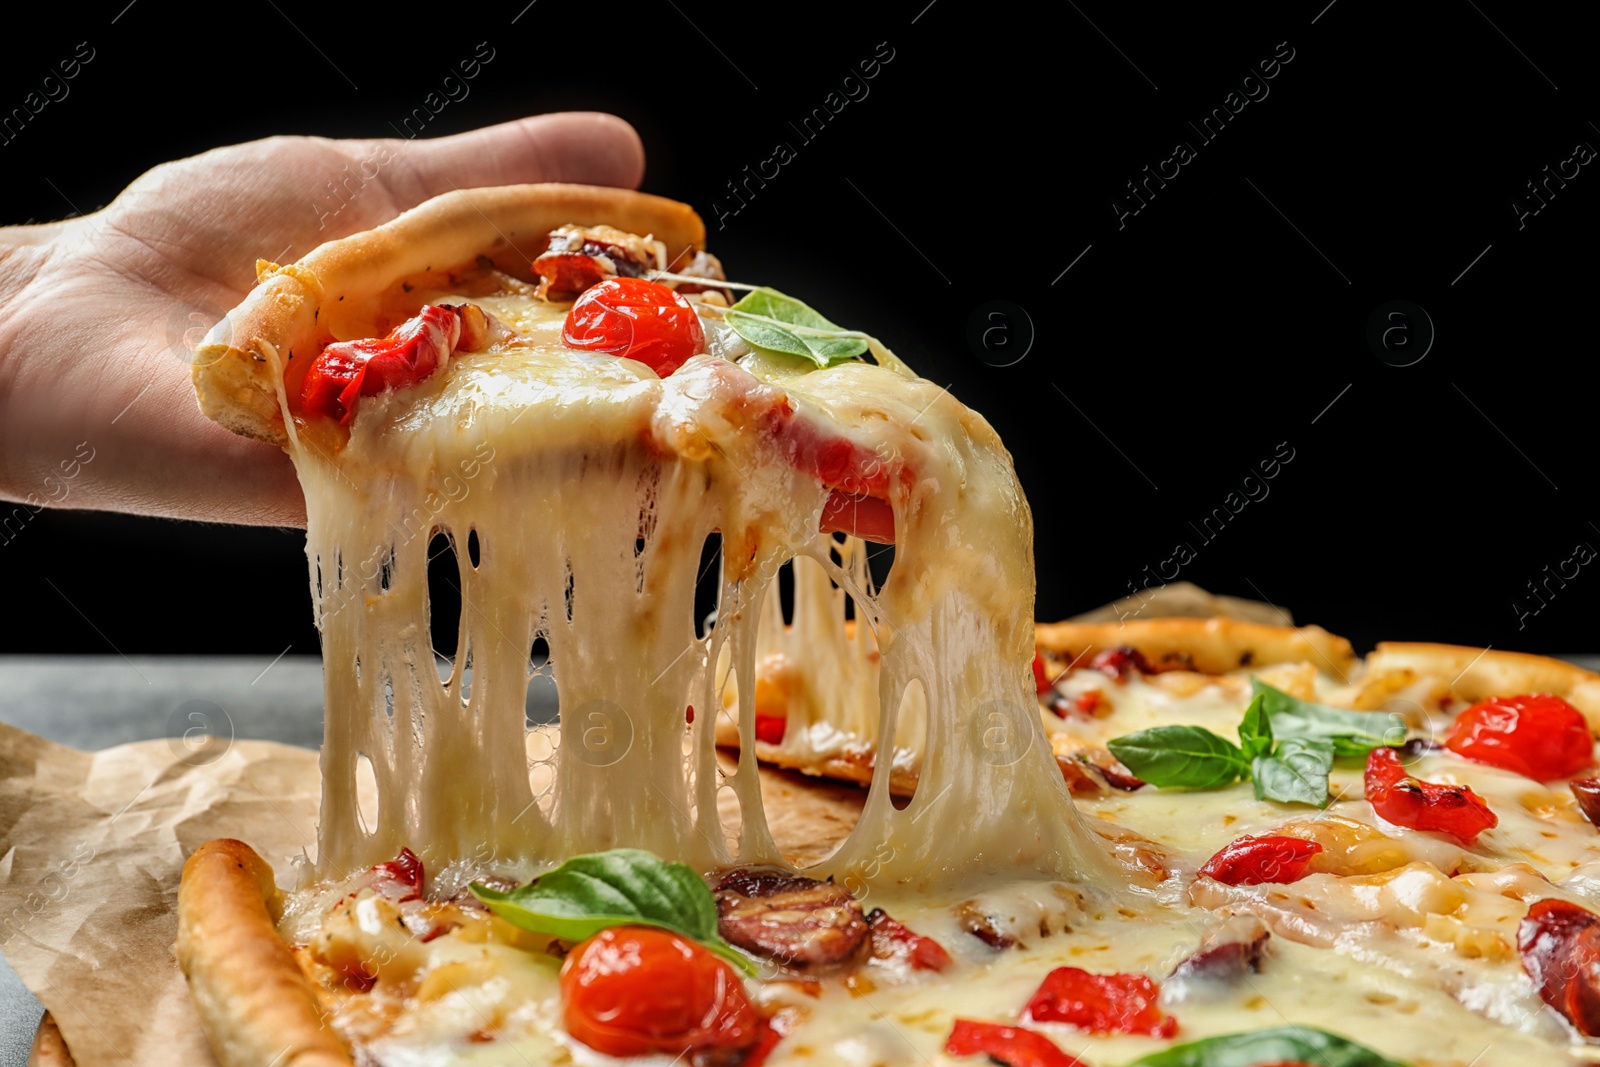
577, 257
1225, 961
799, 922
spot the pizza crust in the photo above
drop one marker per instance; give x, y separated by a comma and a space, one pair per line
238, 368
1210, 646
253, 1001
1478, 674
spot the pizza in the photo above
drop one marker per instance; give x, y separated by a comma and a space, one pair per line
1210, 843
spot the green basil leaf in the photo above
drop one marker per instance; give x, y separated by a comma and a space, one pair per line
1255, 732
1353, 733
1281, 1044
768, 319
622, 887
1181, 757
1296, 772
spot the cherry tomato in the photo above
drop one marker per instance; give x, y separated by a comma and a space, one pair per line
1540, 735
1454, 810
639, 319
1101, 1003
345, 371
1010, 1045
1560, 948
633, 990
1255, 860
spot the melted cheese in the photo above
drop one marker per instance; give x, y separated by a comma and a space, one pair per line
591, 486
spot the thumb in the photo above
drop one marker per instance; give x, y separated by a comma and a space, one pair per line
589, 148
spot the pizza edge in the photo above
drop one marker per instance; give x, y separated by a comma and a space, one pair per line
236, 367
255, 1004
1220, 645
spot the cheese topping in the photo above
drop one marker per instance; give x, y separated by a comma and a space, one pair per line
590, 486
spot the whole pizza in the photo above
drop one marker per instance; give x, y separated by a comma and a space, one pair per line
846, 821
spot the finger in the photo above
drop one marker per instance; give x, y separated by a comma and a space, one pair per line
589, 148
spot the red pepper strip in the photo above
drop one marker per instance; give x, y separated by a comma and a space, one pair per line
771, 728
891, 938
1256, 860
1454, 810
1041, 675
347, 370
1560, 948
400, 879
1119, 662
866, 517
1010, 1045
1541, 736
1101, 1003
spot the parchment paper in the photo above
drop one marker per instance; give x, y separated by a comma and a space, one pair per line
91, 846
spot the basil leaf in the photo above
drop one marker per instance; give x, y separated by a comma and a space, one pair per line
1182, 757
622, 887
1255, 732
1353, 733
768, 319
1295, 773
1281, 1044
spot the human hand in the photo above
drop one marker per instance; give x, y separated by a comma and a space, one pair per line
99, 315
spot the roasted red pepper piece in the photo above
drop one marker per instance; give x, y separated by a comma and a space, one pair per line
1454, 810
1255, 860
1120, 662
1010, 1045
892, 939
1101, 1003
1041, 675
400, 879
1560, 947
345, 371
1540, 735
771, 728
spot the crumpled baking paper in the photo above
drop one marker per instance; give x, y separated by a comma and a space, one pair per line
91, 847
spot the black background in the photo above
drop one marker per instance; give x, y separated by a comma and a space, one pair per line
1177, 353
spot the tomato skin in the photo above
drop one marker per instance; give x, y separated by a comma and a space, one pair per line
1454, 810
1101, 1003
1252, 860
892, 938
1010, 1045
634, 990
1538, 735
636, 319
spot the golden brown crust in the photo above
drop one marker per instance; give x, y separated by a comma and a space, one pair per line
239, 366
1475, 674
49, 1050
253, 1001
1211, 646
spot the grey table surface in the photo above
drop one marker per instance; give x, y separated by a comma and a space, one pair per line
93, 702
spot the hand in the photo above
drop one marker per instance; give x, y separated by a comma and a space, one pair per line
99, 315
